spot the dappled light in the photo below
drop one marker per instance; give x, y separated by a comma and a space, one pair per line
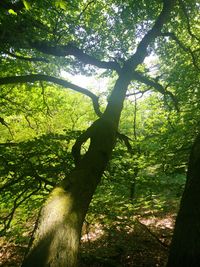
99, 133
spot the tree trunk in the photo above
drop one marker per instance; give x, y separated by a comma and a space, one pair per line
185, 246
56, 240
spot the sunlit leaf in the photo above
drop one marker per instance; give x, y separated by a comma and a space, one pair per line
27, 4
62, 4
12, 12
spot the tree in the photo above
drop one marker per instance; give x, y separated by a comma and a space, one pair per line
82, 37
185, 245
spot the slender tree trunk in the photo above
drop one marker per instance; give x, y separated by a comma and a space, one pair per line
133, 184
185, 246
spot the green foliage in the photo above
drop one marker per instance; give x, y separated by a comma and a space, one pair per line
27, 4
154, 193
42, 120
29, 170
33, 110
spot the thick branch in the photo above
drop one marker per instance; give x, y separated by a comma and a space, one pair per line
76, 149
42, 77
155, 31
118, 94
70, 49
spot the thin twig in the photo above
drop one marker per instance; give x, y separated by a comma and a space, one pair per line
182, 5
31, 59
85, 8
186, 49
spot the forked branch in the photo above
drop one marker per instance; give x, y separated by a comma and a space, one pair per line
143, 79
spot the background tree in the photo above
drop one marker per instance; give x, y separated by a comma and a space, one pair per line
185, 243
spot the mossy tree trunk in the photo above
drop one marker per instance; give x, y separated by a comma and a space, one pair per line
56, 240
185, 246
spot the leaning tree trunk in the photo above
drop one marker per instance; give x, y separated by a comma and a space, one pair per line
56, 239
185, 246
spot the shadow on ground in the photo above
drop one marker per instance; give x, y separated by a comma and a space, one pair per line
144, 244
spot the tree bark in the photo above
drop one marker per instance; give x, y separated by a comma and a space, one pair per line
56, 240
185, 246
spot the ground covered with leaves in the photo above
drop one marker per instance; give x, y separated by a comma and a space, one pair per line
118, 231
144, 243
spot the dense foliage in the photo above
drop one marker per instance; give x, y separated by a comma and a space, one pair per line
40, 118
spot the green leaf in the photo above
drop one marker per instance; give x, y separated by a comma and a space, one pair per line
61, 4
27, 4
12, 12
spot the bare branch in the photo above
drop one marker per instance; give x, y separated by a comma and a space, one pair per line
143, 79
28, 121
41, 179
139, 92
151, 233
76, 149
8, 219
48, 112
41, 77
126, 140
10, 182
135, 118
87, 5
3, 122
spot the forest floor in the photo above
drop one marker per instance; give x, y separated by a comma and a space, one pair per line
143, 244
